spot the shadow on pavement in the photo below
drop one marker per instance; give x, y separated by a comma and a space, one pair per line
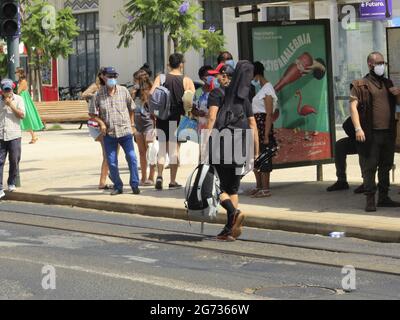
174, 237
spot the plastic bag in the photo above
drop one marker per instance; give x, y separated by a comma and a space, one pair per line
187, 129
152, 153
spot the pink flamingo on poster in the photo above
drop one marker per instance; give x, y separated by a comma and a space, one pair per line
304, 110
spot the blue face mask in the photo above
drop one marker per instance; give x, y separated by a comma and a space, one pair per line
209, 80
111, 83
256, 84
216, 84
231, 63
213, 82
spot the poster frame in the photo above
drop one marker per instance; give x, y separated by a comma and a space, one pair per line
246, 53
388, 47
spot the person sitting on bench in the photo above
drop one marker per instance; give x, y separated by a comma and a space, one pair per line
343, 148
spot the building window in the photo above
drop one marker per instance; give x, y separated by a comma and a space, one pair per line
84, 63
155, 49
212, 18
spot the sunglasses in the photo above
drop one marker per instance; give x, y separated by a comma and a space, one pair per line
111, 76
381, 63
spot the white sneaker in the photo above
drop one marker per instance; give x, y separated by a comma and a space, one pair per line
2, 194
12, 188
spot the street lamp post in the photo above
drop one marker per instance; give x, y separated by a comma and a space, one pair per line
10, 29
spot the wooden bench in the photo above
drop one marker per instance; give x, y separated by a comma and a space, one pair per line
74, 111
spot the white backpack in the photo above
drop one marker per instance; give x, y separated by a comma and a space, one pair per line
202, 194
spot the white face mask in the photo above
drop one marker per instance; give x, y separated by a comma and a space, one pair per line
379, 70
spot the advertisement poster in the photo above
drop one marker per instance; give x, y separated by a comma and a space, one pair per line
297, 62
393, 50
376, 9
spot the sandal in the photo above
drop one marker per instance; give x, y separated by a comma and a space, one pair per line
262, 194
33, 141
174, 186
147, 183
252, 192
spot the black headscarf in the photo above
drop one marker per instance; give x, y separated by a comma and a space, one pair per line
239, 88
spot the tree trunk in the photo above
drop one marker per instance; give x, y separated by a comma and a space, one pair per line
38, 76
34, 83
169, 49
176, 44
30, 79
39, 83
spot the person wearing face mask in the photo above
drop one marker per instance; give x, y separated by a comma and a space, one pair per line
143, 122
373, 105
12, 111
113, 108
265, 103
226, 58
200, 108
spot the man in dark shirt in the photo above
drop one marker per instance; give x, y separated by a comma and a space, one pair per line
373, 104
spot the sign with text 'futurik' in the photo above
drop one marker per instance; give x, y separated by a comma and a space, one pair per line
376, 9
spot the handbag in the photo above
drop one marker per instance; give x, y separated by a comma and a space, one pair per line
187, 130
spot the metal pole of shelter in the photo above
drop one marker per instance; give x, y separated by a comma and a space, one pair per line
320, 170
13, 63
254, 8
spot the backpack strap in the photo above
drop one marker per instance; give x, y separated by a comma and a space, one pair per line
216, 187
203, 175
188, 188
163, 79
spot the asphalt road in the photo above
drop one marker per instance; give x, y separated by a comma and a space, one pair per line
99, 255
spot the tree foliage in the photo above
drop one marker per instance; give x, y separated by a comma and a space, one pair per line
179, 19
46, 33
3, 61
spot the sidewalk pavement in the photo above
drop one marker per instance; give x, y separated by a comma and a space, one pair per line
63, 168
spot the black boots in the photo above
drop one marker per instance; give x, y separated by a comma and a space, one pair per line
339, 185
385, 202
360, 189
371, 207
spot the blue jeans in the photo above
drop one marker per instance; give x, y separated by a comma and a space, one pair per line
13, 149
111, 146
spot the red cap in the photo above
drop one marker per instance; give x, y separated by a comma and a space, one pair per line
217, 70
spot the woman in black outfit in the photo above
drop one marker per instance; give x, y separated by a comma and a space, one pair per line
177, 84
237, 84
